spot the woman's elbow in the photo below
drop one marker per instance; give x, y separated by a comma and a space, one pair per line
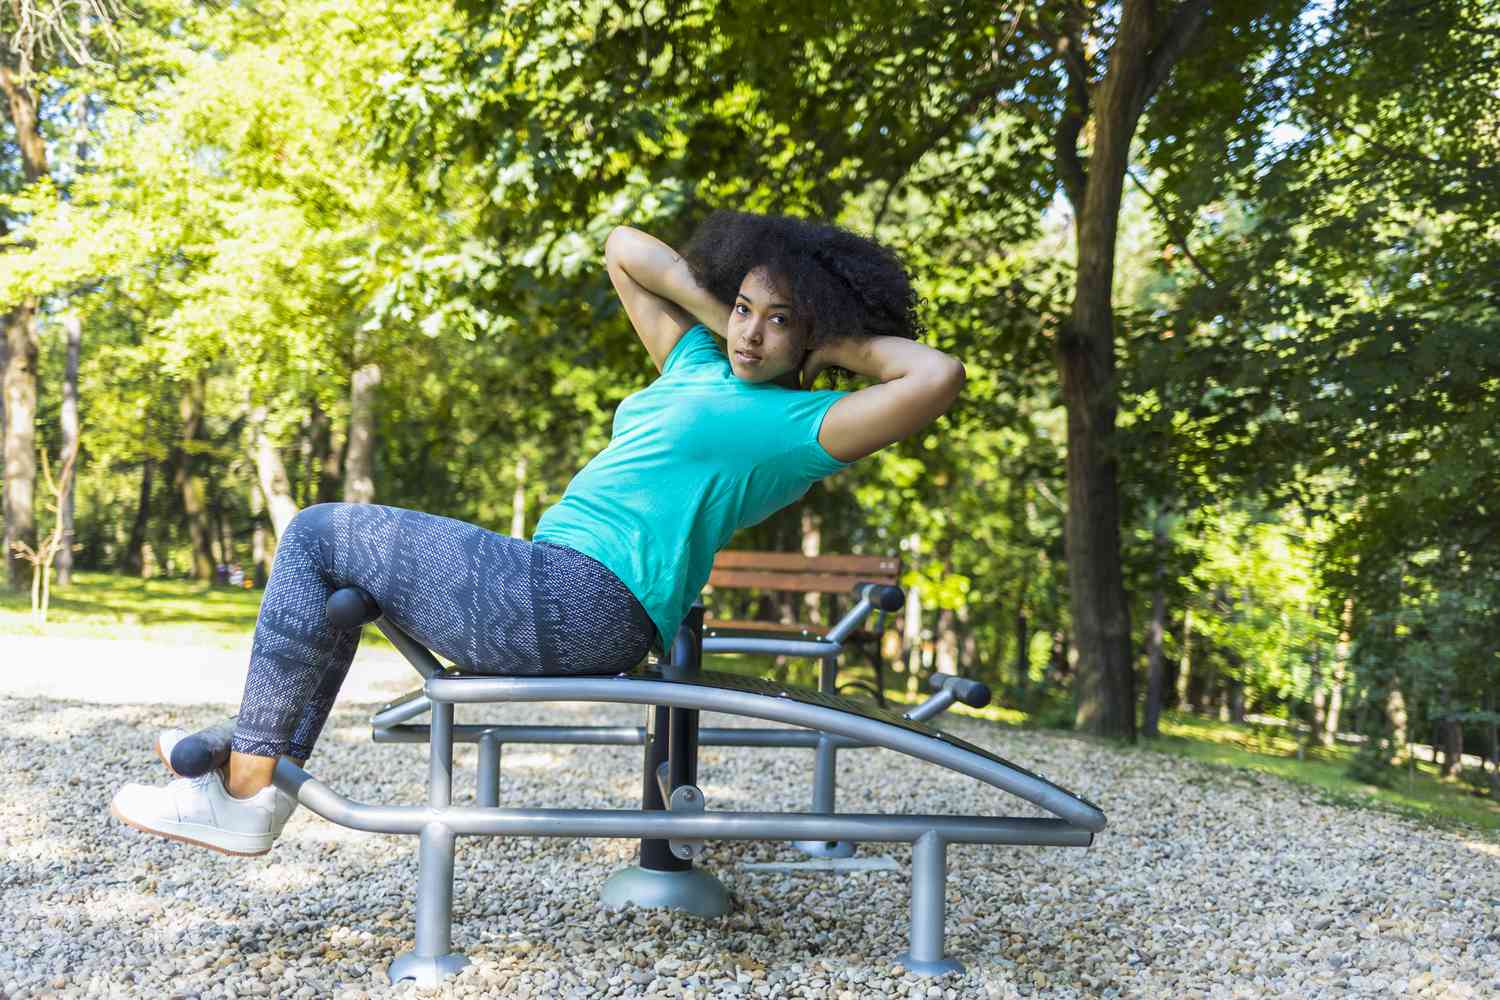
952, 376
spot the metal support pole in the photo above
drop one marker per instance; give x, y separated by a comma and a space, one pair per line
488, 792
656, 855
825, 770
440, 762
662, 879
825, 767
435, 891
433, 960
828, 675
929, 872
676, 730
682, 746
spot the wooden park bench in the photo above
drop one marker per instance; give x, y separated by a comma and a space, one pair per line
739, 569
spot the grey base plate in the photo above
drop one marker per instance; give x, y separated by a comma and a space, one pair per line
694, 890
825, 848
427, 972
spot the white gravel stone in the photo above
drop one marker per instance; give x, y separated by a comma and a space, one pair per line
1207, 884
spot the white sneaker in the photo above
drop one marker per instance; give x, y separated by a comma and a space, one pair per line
165, 741
200, 811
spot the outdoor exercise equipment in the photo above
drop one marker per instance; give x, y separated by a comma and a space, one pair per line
675, 820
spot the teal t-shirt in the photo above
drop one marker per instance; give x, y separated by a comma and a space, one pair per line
695, 456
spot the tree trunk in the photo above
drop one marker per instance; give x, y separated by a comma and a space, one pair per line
1341, 655
135, 550
4, 367
911, 633
20, 382
812, 545
20, 439
70, 443
518, 501
262, 548
1237, 701
911, 656
1085, 348
228, 543
1185, 661
1317, 703
1154, 667
1085, 353
1023, 650
945, 655
359, 459
1493, 750
73, 325
1205, 683
223, 551
1154, 662
270, 475
1451, 733
313, 449
968, 656
1395, 713
190, 483
1058, 667
331, 476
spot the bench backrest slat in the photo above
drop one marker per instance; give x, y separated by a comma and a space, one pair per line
792, 571
865, 566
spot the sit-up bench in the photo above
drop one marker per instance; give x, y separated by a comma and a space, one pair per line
674, 820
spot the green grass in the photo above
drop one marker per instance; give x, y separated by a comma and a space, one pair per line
182, 612
1418, 791
112, 606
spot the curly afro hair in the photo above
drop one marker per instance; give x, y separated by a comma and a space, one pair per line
841, 284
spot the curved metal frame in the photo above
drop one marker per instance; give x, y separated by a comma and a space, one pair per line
734, 695
711, 825
824, 721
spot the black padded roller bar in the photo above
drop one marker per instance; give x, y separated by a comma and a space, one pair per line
201, 752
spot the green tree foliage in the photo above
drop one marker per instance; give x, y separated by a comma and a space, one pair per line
261, 198
1334, 341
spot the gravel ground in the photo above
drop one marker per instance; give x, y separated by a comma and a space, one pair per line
1206, 884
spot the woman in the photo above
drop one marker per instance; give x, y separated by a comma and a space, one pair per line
726, 436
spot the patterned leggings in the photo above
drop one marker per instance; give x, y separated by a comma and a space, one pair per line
490, 603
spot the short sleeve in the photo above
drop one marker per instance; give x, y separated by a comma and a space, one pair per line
808, 457
695, 348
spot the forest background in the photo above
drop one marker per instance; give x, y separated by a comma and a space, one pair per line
1223, 276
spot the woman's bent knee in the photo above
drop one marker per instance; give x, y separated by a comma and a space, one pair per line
316, 520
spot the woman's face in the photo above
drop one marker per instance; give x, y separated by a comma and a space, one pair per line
765, 336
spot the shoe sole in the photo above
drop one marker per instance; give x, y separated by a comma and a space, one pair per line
115, 812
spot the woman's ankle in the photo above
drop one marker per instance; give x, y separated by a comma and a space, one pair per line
246, 774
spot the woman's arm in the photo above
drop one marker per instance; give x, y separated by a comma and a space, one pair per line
917, 385
660, 270
879, 358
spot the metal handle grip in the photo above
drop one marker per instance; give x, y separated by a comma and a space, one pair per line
971, 693
881, 595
